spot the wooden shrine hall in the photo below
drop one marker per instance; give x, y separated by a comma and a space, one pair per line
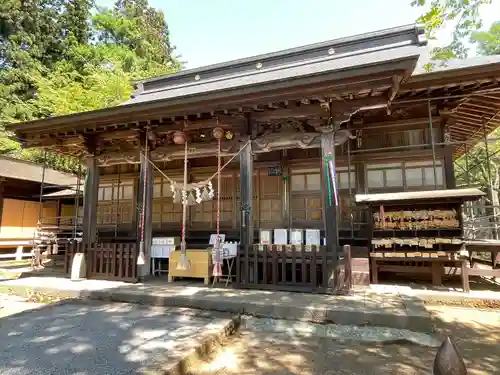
303, 131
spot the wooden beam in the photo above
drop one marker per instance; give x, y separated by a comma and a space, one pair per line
303, 111
317, 111
464, 109
326, 87
392, 124
473, 104
395, 87
169, 152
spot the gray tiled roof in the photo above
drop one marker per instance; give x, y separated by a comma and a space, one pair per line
324, 58
293, 71
23, 170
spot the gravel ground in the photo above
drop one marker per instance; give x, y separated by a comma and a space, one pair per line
260, 352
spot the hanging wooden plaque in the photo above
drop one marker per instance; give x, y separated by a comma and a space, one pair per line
275, 171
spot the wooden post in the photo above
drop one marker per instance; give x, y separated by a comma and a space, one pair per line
90, 197
246, 221
329, 210
448, 165
144, 270
347, 268
2, 181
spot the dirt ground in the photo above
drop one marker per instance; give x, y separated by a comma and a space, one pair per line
476, 333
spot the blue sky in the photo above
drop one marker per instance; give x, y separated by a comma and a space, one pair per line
211, 31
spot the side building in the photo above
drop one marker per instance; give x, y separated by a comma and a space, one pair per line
24, 214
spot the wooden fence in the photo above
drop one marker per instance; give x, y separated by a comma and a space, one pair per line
106, 261
293, 268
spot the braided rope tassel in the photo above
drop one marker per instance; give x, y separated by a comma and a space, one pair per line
141, 257
183, 261
217, 271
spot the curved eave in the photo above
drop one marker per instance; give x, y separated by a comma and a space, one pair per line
468, 70
360, 70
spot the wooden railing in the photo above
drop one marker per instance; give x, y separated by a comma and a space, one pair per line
106, 261
293, 268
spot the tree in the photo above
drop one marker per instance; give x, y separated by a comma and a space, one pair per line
463, 14
140, 28
488, 42
57, 58
34, 36
480, 166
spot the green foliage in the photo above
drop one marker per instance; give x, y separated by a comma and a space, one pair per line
57, 58
480, 166
488, 42
462, 14
476, 163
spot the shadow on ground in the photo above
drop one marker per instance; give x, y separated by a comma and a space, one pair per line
97, 338
257, 353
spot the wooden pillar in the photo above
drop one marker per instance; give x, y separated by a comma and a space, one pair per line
448, 165
360, 171
330, 211
91, 190
246, 218
145, 269
449, 168
2, 181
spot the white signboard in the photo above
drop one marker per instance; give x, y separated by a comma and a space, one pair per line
214, 236
229, 250
296, 236
265, 237
313, 237
166, 240
280, 237
161, 251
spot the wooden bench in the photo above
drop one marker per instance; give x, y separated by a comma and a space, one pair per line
481, 246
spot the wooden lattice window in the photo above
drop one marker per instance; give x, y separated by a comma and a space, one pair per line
420, 175
404, 176
306, 204
372, 139
343, 183
203, 215
383, 176
165, 211
343, 177
270, 200
116, 203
